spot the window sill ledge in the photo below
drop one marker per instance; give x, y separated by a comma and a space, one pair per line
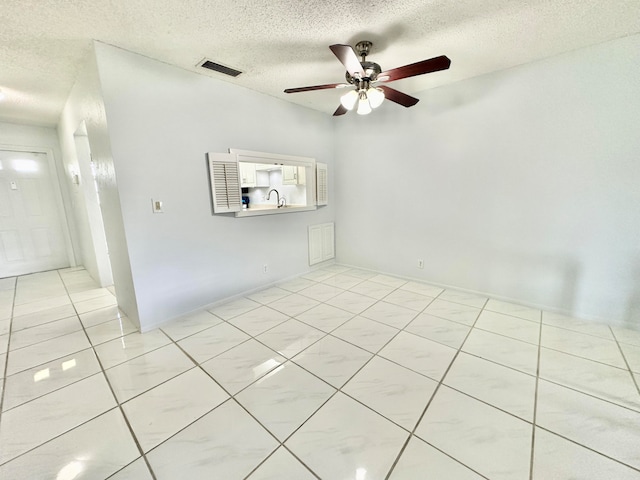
271, 210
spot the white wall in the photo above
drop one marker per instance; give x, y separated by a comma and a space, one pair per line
85, 104
94, 251
524, 184
162, 121
44, 138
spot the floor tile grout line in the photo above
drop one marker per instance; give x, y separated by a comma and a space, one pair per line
504, 335
535, 402
292, 360
6, 354
91, 346
257, 467
115, 398
71, 303
320, 378
47, 339
451, 457
373, 355
581, 357
46, 323
309, 372
624, 357
52, 391
124, 467
575, 330
637, 469
232, 398
433, 395
64, 317
591, 395
60, 434
485, 402
63, 433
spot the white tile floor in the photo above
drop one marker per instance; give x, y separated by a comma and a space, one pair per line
339, 374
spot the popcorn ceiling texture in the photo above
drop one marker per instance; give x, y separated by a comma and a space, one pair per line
281, 43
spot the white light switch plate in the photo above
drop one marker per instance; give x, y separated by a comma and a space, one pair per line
156, 205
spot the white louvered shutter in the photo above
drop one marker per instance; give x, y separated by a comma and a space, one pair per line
225, 182
322, 187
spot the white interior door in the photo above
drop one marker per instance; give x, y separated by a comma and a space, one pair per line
32, 237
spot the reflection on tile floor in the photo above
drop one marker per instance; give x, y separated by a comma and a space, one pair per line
338, 374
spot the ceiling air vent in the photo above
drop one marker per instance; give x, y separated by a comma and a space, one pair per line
216, 67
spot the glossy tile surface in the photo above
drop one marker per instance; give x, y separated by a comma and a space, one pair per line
577, 416
333, 360
421, 460
341, 365
43, 352
556, 457
509, 326
493, 443
136, 470
164, 410
97, 448
389, 314
213, 341
226, 443
33, 383
291, 337
46, 417
502, 387
242, 365
136, 376
603, 381
345, 440
259, 320
419, 354
190, 324
395, 392
282, 466
582, 345
365, 333
439, 330
130, 346
285, 398
506, 351
325, 317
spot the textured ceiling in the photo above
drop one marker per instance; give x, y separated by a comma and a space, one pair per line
282, 43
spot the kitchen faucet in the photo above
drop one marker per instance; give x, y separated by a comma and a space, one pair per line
277, 196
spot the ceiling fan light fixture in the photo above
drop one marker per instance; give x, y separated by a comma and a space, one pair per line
349, 99
364, 75
376, 96
364, 108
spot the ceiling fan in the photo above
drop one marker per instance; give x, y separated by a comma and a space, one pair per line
366, 77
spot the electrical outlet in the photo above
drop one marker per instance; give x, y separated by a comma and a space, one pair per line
420, 263
265, 268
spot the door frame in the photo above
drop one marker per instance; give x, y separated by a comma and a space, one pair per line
57, 193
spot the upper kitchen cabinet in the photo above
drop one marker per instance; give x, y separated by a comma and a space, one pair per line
247, 174
292, 175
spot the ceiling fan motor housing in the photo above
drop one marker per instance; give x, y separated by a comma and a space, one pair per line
371, 72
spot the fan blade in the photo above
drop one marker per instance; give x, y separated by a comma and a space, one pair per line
419, 68
315, 87
340, 111
348, 58
398, 97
